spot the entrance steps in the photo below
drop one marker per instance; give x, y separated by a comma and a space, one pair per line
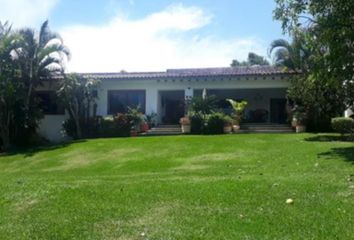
266, 128
165, 130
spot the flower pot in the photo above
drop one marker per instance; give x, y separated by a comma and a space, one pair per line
235, 128
186, 128
133, 133
300, 128
227, 129
144, 127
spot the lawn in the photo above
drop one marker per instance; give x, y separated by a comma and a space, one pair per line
181, 187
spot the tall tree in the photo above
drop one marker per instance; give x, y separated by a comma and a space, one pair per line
329, 26
78, 96
253, 59
8, 84
41, 56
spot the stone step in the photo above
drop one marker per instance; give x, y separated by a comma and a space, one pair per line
265, 131
168, 126
165, 129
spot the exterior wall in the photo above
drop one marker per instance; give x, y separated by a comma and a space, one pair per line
153, 87
50, 127
348, 113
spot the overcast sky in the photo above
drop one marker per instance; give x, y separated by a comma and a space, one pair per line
151, 35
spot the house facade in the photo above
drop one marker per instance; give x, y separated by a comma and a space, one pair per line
165, 93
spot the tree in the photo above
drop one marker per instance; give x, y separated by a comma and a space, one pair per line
253, 59
41, 56
294, 55
78, 96
8, 84
329, 34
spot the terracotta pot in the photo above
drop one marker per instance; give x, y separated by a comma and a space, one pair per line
300, 128
186, 128
235, 128
227, 129
144, 127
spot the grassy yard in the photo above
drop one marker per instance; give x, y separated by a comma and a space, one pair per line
182, 187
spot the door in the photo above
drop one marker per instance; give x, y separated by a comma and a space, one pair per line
174, 111
278, 112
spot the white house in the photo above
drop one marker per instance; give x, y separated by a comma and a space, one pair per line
164, 93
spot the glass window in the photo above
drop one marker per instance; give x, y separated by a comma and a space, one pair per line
120, 100
48, 103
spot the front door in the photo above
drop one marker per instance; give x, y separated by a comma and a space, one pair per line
174, 111
278, 112
172, 106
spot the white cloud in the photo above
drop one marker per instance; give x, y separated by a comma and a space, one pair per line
26, 12
159, 41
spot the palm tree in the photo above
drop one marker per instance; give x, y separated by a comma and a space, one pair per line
41, 56
8, 83
292, 55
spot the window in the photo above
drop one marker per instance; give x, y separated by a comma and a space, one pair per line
120, 100
48, 103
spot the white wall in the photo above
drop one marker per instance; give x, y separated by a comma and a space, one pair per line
50, 127
348, 113
153, 87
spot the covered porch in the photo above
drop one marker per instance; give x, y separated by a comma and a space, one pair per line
264, 105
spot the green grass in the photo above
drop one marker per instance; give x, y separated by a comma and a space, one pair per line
183, 187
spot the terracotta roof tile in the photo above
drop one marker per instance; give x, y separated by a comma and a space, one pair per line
194, 72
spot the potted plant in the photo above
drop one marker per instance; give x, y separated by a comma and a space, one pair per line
299, 119
144, 127
238, 109
185, 124
136, 116
228, 124
150, 119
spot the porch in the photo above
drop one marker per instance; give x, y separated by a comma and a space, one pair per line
265, 106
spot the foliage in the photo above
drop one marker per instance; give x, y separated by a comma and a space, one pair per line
27, 60
197, 123
151, 119
116, 126
136, 116
327, 27
203, 105
215, 123
78, 96
343, 125
253, 59
238, 109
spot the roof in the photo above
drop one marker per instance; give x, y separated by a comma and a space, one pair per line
194, 72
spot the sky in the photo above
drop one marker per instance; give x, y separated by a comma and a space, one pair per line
151, 35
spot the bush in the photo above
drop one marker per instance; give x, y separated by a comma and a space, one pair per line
215, 123
197, 124
116, 126
343, 125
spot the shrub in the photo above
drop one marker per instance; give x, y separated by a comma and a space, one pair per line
215, 123
343, 125
197, 124
116, 126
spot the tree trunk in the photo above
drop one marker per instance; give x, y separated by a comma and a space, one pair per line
5, 137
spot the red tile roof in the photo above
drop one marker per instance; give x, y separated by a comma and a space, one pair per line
194, 72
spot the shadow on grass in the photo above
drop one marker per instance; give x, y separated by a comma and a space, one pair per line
330, 138
345, 153
30, 152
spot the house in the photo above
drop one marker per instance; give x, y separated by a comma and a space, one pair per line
165, 93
